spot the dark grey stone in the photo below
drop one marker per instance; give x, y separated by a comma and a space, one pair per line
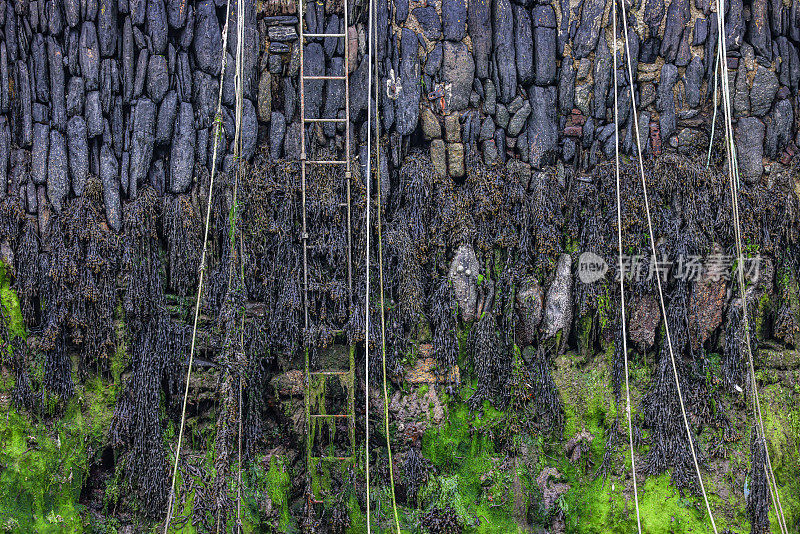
109, 175
314, 65
72, 12
156, 26
58, 111
504, 53
502, 116
542, 127
429, 21
41, 69
142, 140
177, 10
182, 150
479, 23
693, 79
89, 56
41, 144
653, 14
566, 86
334, 96
758, 28
57, 175
408, 100
750, 148
734, 25
249, 129
602, 79
78, 149
458, 70
207, 44
700, 32
187, 34
677, 17
779, 129
107, 29
765, 85
25, 102
165, 123
5, 154
454, 14
277, 131
127, 60
523, 43
157, 78
206, 89
94, 114
433, 62
649, 50
589, 28
517, 122
545, 58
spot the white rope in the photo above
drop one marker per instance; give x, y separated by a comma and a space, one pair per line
368, 179
714, 118
658, 277
734, 182
217, 124
622, 278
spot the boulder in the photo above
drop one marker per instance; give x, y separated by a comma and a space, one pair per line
528, 307
142, 141
455, 160
750, 148
523, 44
504, 52
558, 303
479, 23
184, 142
109, 175
588, 31
706, 303
78, 151
542, 126
463, 275
430, 124
89, 56
165, 123
207, 44
41, 145
765, 86
107, 28
157, 78
438, 157
408, 100
429, 21
458, 70
57, 174
277, 130
454, 15
546, 39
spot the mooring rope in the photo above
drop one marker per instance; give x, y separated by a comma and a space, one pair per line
714, 117
217, 124
368, 175
734, 182
383, 302
658, 277
621, 277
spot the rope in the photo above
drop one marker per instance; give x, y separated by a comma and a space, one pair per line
621, 278
714, 118
383, 305
658, 278
734, 182
217, 124
366, 295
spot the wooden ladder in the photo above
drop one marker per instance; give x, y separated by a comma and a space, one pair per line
316, 382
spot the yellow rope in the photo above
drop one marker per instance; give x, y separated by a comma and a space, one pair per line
217, 124
733, 179
621, 277
658, 277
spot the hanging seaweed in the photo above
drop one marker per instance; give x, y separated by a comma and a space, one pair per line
443, 316
758, 498
182, 229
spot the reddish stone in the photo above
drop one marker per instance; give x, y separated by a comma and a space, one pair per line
655, 138
573, 131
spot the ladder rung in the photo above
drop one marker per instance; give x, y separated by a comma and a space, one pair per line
323, 35
339, 415
327, 161
324, 77
317, 119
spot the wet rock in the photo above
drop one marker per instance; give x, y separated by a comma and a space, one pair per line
249, 129
693, 79
558, 303
734, 25
602, 79
142, 140
648, 53
408, 100
157, 78
765, 85
430, 124
741, 94
429, 21
528, 307
546, 38
41, 76
455, 160
94, 114
542, 126
58, 111
167, 113
750, 148
490, 152
176, 12
277, 130
490, 97
665, 101
463, 275
265, 96
517, 122
314, 65
479, 23
566, 86
207, 44
41, 144
779, 129
72, 12
5, 154
589, 29
401, 11
439, 157
454, 13
504, 53
758, 28
109, 175
433, 62
644, 318
182, 151
107, 27
89, 56
700, 32
653, 14
78, 151
156, 26
459, 71
677, 17
523, 43
487, 129
57, 175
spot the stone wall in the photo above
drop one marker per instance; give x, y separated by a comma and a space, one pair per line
126, 89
